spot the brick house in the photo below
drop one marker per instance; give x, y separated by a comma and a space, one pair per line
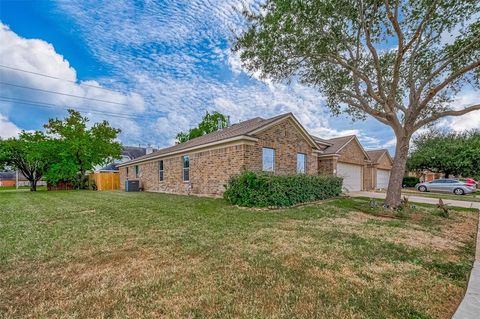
203, 165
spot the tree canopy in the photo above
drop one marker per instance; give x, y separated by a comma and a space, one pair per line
447, 152
402, 62
30, 153
64, 152
208, 124
82, 148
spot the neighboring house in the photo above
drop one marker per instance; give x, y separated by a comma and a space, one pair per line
8, 178
426, 175
279, 145
379, 168
128, 153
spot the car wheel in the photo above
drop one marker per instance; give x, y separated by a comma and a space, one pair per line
422, 189
458, 191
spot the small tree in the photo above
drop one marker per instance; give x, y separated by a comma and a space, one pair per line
82, 148
208, 124
387, 59
30, 153
448, 153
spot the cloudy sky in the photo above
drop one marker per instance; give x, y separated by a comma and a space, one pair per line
151, 69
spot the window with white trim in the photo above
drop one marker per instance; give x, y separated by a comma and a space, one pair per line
160, 170
186, 168
301, 163
268, 159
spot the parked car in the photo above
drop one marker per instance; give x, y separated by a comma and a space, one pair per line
446, 186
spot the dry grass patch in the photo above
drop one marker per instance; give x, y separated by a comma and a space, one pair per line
164, 256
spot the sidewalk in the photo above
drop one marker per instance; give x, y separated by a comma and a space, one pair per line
469, 308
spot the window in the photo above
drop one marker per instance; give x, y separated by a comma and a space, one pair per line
137, 171
127, 171
301, 163
186, 168
268, 159
160, 170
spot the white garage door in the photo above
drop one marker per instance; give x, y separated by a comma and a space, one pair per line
352, 176
383, 176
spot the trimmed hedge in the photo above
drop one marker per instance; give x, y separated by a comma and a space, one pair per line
410, 181
265, 190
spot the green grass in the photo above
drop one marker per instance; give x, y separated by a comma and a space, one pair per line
116, 254
21, 188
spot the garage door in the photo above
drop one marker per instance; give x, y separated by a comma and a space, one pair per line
383, 176
352, 176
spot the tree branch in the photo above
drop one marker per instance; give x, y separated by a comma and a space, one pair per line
373, 51
446, 82
437, 116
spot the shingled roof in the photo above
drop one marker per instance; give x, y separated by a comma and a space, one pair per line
242, 129
375, 155
337, 143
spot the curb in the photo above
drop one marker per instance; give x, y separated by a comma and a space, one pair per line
469, 308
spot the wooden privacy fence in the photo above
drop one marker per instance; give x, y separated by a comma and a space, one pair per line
106, 180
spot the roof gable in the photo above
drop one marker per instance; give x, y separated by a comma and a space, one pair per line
289, 116
339, 143
376, 155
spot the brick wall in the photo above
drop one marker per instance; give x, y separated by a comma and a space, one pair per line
209, 171
384, 162
287, 140
327, 165
352, 153
370, 177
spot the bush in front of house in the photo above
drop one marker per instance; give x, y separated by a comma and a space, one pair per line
410, 181
252, 189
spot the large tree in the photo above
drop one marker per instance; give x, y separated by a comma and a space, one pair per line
210, 123
401, 62
447, 152
32, 153
82, 148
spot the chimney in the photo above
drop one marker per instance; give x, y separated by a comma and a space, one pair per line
149, 149
228, 120
219, 124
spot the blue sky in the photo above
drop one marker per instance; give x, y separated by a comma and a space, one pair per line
168, 62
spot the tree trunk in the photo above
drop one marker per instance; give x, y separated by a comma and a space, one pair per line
394, 191
33, 185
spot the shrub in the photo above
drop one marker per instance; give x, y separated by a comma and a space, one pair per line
410, 181
263, 190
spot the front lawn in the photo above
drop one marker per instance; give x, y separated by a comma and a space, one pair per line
114, 254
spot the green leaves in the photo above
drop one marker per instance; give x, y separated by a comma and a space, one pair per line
208, 124
81, 149
448, 153
65, 153
264, 190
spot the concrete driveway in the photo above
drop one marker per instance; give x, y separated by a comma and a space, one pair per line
419, 199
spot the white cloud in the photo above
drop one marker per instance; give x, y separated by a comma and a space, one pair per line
7, 128
39, 56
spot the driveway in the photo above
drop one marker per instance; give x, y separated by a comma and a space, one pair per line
419, 199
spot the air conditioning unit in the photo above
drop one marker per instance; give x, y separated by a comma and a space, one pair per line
132, 185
